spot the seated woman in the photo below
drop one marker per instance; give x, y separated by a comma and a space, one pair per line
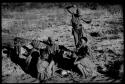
45, 65
38, 62
85, 65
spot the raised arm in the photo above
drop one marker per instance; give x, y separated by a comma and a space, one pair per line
68, 9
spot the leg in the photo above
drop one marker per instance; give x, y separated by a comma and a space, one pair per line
42, 76
75, 34
54, 68
49, 69
90, 67
81, 68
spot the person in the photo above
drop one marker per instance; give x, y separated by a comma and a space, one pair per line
20, 52
22, 47
56, 53
38, 65
43, 63
45, 66
33, 47
84, 64
77, 27
31, 62
53, 48
17, 45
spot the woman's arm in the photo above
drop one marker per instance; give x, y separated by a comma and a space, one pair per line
76, 62
68, 9
49, 68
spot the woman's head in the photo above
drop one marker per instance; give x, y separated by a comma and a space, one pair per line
44, 54
49, 41
35, 54
74, 6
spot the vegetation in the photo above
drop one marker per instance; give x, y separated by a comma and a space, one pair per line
38, 20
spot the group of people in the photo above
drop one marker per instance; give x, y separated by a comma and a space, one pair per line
43, 62
80, 38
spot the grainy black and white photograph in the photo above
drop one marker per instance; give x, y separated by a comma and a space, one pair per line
62, 42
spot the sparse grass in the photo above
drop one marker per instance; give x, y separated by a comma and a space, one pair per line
26, 22
29, 23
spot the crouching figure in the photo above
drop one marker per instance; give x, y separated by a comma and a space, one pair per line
84, 64
45, 66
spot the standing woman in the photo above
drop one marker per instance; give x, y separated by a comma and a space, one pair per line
76, 21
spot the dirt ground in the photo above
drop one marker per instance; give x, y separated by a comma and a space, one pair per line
105, 31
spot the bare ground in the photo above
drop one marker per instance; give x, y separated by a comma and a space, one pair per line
105, 31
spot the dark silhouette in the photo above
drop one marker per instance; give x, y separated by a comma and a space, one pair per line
32, 67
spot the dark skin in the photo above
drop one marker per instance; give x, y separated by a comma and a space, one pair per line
81, 57
77, 24
82, 48
76, 14
57, 52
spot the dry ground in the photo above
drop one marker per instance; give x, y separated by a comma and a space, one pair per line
105, 31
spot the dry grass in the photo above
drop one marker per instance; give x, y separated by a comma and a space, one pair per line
55, 22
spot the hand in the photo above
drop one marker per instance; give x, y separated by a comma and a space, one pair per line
76, 62
74, 6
